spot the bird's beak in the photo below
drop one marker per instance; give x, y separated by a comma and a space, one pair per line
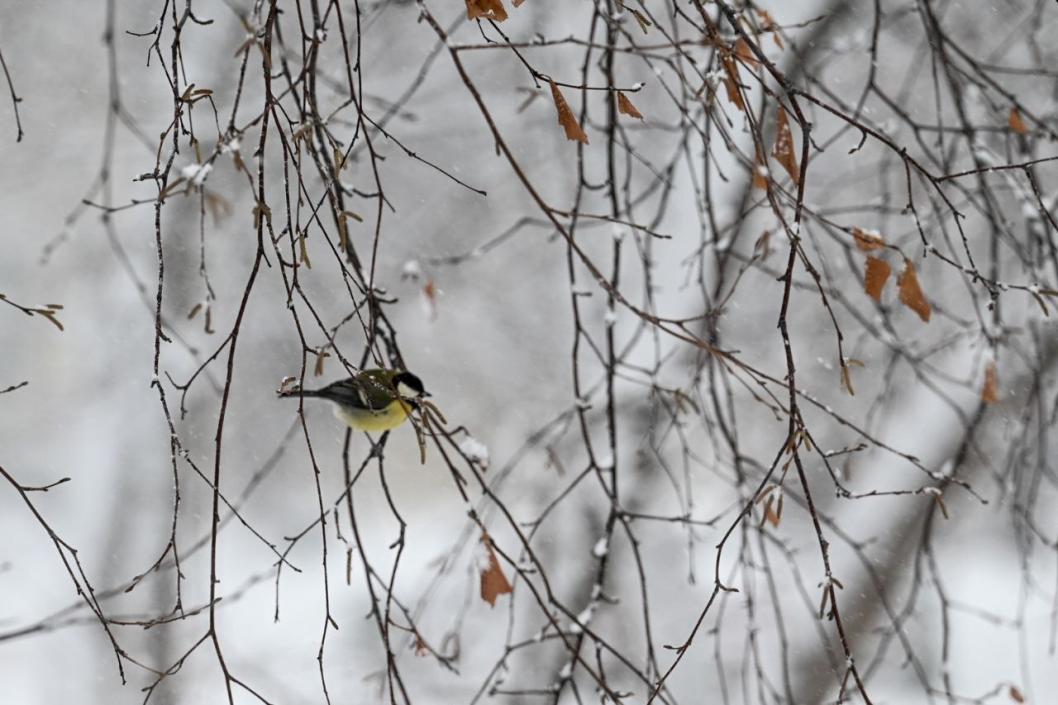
426, 394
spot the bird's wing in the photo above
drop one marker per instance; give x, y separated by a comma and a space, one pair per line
349, 392
376, 389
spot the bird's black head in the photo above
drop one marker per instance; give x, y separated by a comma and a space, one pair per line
409, 386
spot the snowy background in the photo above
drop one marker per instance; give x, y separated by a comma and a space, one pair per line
493, 346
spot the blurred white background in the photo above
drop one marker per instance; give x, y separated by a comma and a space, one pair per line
951, 610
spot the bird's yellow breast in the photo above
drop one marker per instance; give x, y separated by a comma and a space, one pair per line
366, 420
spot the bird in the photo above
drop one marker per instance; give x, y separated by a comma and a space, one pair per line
371, 400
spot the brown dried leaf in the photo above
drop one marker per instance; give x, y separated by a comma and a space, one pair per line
1016, 695
731, 80
565, 117
867, 241
486, 9
517, 3
1016, 123
624, 106
768, 25
911, 293
990, 390
770, 515
877, 274
493, 582
784, 147
744, 52
766, 21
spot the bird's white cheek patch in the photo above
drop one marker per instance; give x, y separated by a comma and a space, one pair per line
406, 391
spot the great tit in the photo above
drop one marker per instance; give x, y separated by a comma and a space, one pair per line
371, 400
